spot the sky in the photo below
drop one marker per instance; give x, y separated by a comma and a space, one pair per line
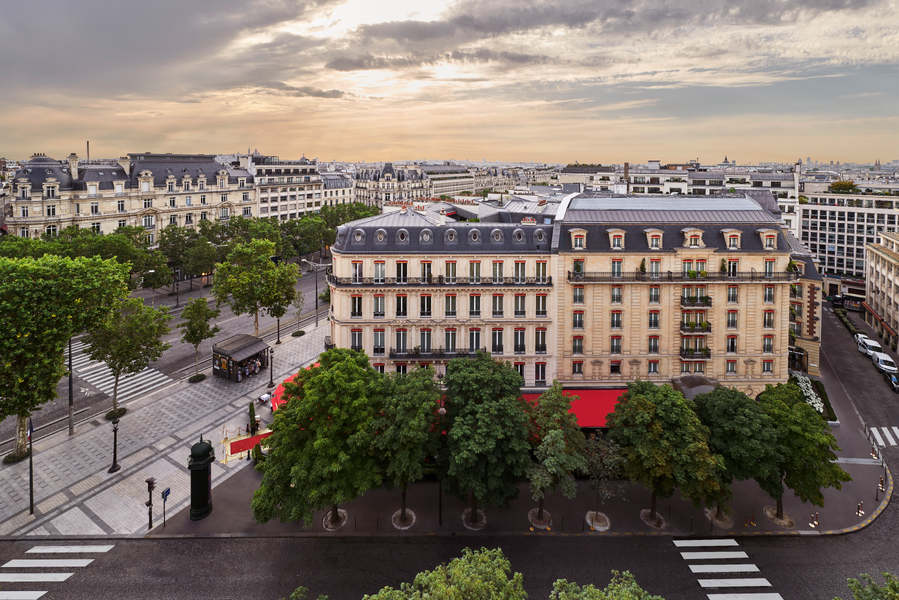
593, 81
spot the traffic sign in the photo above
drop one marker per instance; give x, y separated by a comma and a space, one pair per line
165, 493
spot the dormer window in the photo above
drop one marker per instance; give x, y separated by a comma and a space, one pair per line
769, 242
579, 242
578, 238
769, 238
655, 242
733, 241
617, 242
616, 238
694, 241
693, 237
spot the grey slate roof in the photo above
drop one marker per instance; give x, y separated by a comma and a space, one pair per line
163, 165
38, 169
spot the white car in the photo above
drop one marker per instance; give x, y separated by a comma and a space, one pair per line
859, 337
869, 347
884, 363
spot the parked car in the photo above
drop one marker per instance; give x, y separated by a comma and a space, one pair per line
892, 380
859, 337
884, 363
869, 347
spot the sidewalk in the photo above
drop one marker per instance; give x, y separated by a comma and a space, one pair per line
75, 496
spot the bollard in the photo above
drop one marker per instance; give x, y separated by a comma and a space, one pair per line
877, 495
745, 520
812, 523
752, 522
691, 524
881, 483
816, 519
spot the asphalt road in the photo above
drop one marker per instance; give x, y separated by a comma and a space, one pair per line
176, 363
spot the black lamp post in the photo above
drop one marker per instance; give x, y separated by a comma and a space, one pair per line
71, 393
115, 447
177, 294
271, 367
279, 331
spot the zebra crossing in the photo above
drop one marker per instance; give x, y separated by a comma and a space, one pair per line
886, 436
738, 576
25, 576
98, 375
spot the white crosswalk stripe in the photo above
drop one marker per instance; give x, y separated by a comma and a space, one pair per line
884, 435
80, 360
129, 386
709, 550
28, 577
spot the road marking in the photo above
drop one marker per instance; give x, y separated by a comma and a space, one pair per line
886, 434
896, 431
129, 387
68, 549
21, 595
877, 436
724, 569
712, 555
722, 583
24, 563
33, 577
749, 596
694, 543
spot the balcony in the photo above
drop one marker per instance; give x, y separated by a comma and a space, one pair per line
520, 314
541, 313
497, 349
379, 314
437, 281
378, 351
540, 349
425, 314
695, 301
434, 353
695, 354
401, 314
355, 347
497, 314
696, 327
671, 276
519, 349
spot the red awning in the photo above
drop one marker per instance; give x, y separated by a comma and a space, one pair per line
592, 406
277, 400
870, 310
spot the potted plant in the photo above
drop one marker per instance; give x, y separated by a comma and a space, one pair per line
703, 273
692, 325
704, 299
643, 266
691, 274
791, 267
723, 266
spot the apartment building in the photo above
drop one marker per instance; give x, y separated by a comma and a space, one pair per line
143, 189
882, 285
605, 290
375, 186
286, 189
337, 188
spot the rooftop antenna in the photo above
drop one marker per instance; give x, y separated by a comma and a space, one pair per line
88, 151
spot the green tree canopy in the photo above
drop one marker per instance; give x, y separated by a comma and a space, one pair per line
554, 467
805, 448
868, 589
249, 282
844, 187
195, 327
486, 449
405, 426
664, 444
603, 467
552, 410
482, 574
174, 243
128, 339
200, 258
623, 587
320, 448
44, 302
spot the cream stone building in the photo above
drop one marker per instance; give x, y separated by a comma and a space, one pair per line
286, 189
375, 186
882, 291
145, 190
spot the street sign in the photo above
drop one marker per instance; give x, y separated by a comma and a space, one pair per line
165, 494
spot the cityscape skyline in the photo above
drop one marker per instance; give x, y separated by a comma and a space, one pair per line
531, 81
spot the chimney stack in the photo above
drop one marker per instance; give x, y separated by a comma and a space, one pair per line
442, 221
73, 165
627, 179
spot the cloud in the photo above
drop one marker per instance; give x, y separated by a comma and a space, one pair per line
299, 92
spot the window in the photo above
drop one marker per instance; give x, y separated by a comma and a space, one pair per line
577, 321
23, 232
224, 213
617, 242
653, 344
541, 305
687, 266
148, 222
520, 276
578, 297
519, 341
450, 306
694, 241
699, 367
172, 202
380, 272
769, 242
223, 197
652, 367
768, 344
51, 210
731, 319
655, 269
378, 307
768, 322
424, 337
401, 340
615, 367
654, 319
474, 305
520, 310
733, 294
401, 369
498, 305
124, 223
474, 339
540, 374
356, 339
497, 272
685, 367
247, 211
616, 268
95, 227
51, 230
654, 294
541, 272
768, 366
23, 212
202, 196
497, 341
616, 294
577, 345
615, 345
769, 294
171, 186
616, 320
402, 308
148, 202
402, 272
173, 219
540, 341
769, 268
733, 242
451, 272
733, 267
95, 208
425, 306
655, 242
425, 272
474, 272
520, 368
579, 241
731, 367
731, 344
577, 367
449, 340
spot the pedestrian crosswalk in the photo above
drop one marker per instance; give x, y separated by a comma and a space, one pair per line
24, 576
130, 386
744, 585
885, 436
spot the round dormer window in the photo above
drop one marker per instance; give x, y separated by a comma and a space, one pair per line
451, 236
519, 236
380, 236
497, 237
358, 236
540, 236
474, 236
426, 237
402, 236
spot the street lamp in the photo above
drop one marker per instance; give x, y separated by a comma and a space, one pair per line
152, 289
271, 367
115, 447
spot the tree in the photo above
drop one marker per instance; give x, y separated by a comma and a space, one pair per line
483, 574
741, 433
249, 282
552, 410
156, 273
554, 468
174, 243
869, 590
664, 444
486, 449
43, 303
195, 327
320, 448
127, 340
603, 467
844, 187
403, 429
805, 448
622, 587
200, 259
299, 302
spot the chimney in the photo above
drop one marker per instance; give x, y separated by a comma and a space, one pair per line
73, 165
627, 179
125, 161
442, 221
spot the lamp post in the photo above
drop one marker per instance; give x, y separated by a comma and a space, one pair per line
115, 447
279, 331
71, 393
271, 367
152, 289
177, 292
